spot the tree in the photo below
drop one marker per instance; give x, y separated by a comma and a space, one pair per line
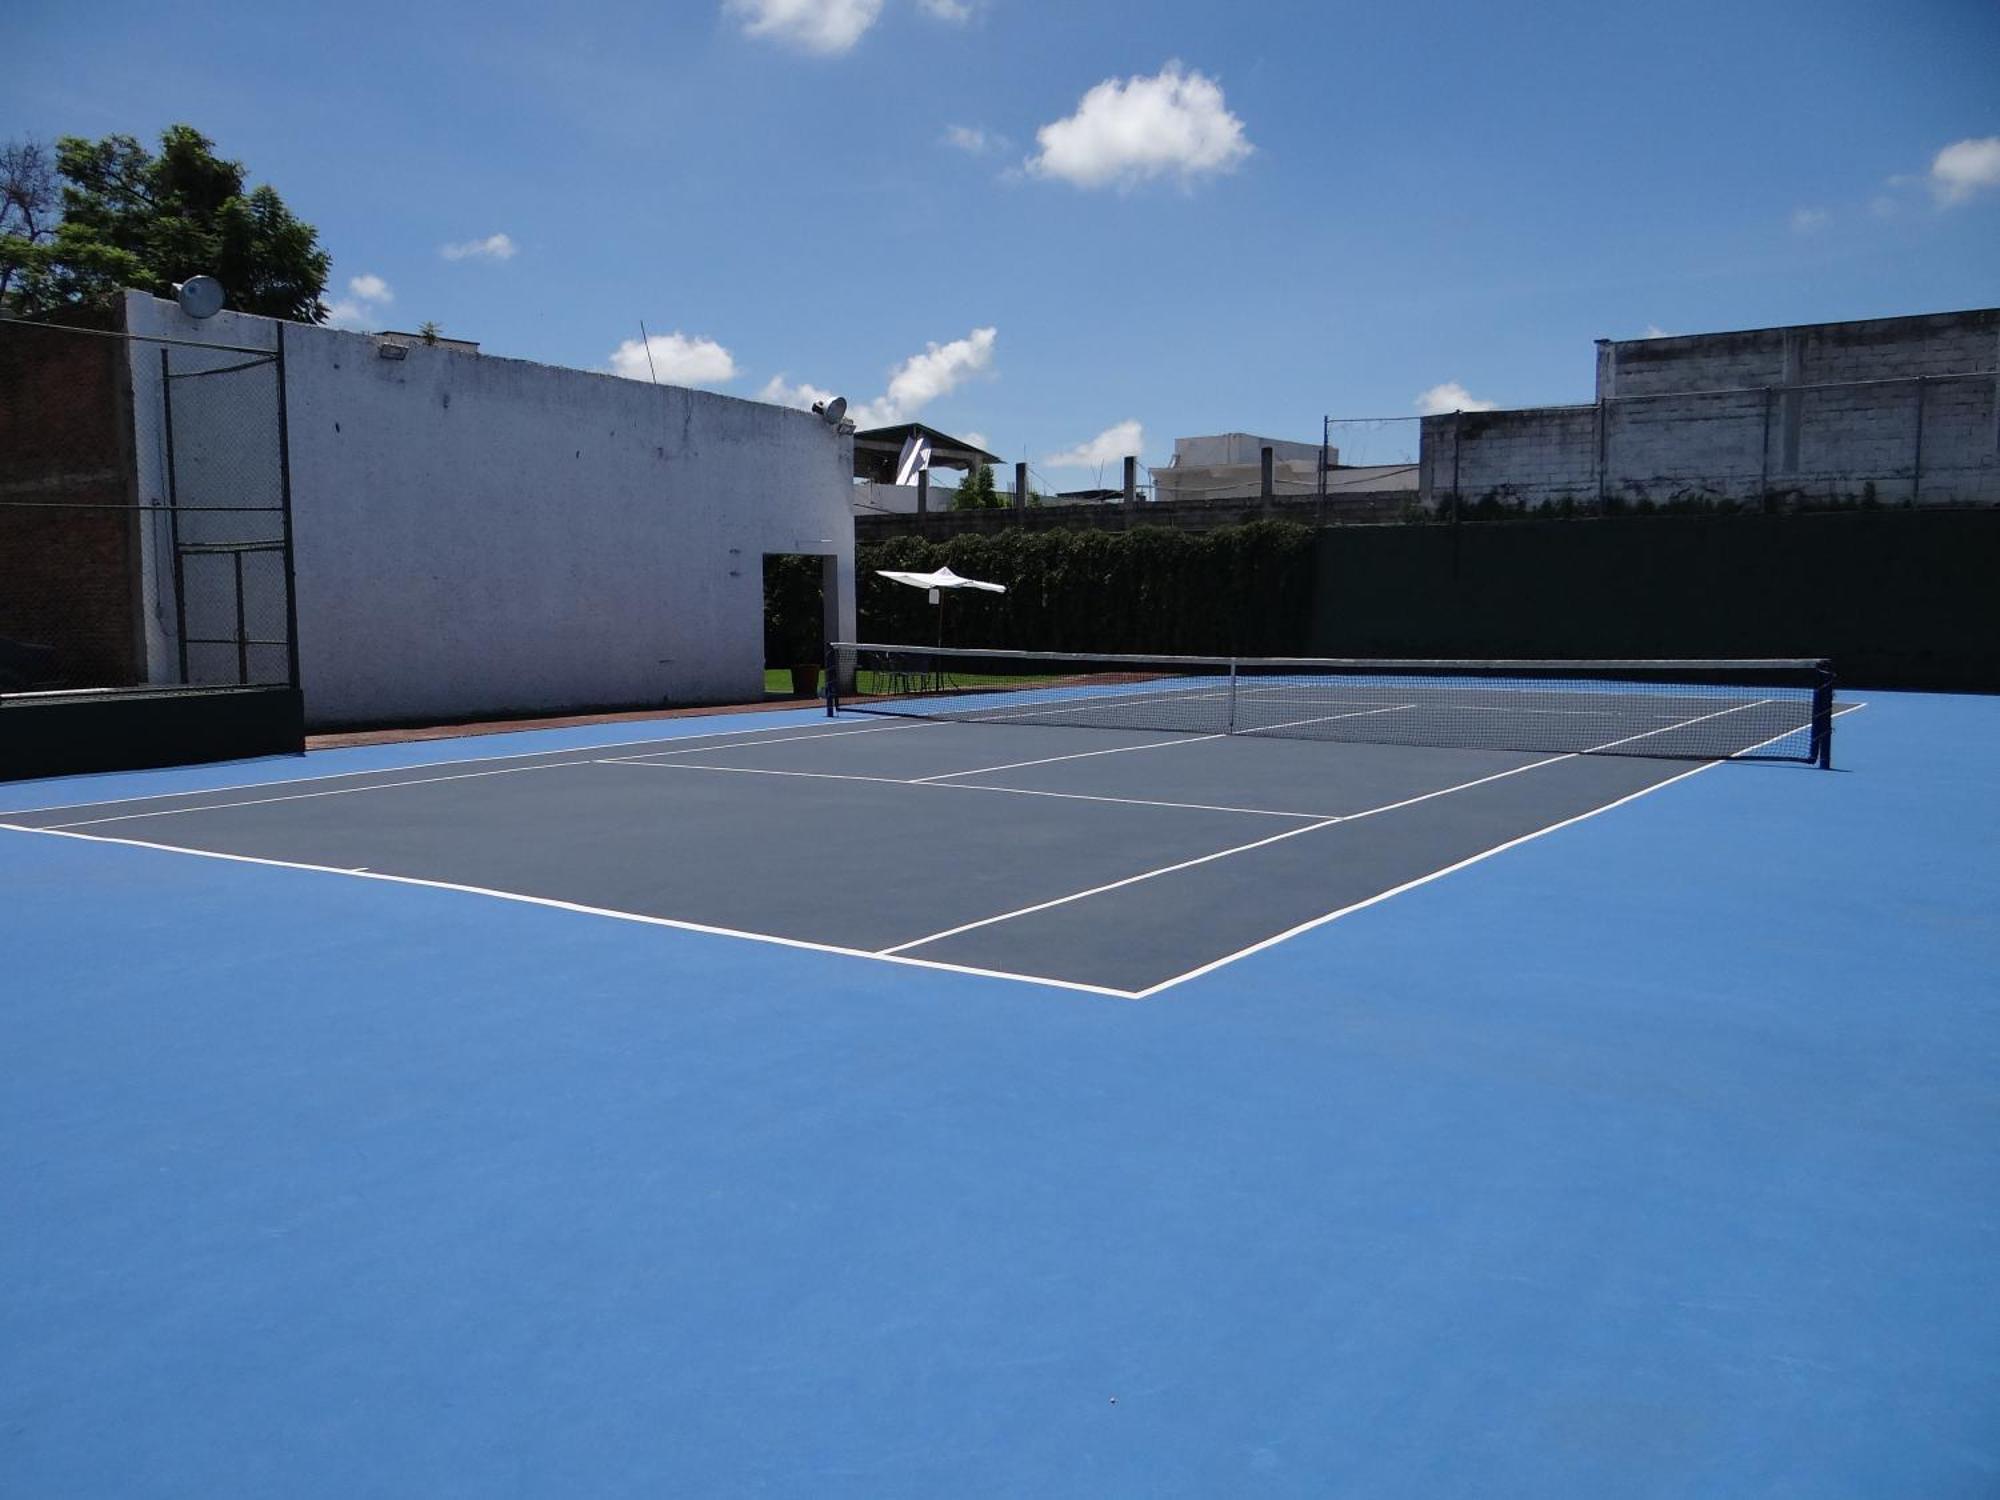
977, 493
134, 219
27, 203
429, 331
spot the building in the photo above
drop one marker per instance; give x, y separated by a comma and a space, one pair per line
1229, 466
477, 536
877, 453
1885, 410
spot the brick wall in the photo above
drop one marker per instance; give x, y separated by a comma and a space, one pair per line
69, 578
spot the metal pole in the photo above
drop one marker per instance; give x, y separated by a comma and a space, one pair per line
1821, 748
1764, 458
1603, 444
285, 502
174, 514
1265, 488
1230, 727
1131, 479
1319, 496
242, 626
1457, 439
1917, 465
1020, 491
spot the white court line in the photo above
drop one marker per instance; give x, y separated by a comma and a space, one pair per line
340, 791
573, 906
1359, 713
888, 956
457, 760
1098, 890
1292, 833
952, 786
1049, 760
1702, 719
1326, 822
384, 786
1380, 896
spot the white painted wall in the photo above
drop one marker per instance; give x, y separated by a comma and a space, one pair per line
480, 536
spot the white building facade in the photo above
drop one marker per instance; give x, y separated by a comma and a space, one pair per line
483, 537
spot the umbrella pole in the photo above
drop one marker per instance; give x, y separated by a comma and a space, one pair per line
939, 659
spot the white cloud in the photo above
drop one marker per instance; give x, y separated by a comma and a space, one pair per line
922, 378
1110, 445
674, 359
351, 315
1966, 167
948, 10
977, 439
828, 27
361, 310
493, 247
1450, 397
804, 395
1810, 220
974, 140
913, 384
1653, 331
1124, 132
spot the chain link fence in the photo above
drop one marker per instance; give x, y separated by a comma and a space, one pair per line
145, 534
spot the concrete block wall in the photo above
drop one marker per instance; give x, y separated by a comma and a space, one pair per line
1893, 409
1930, 344
1533, 456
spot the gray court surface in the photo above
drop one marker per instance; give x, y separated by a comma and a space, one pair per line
1109, 859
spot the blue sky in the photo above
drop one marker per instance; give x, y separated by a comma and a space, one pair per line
1039, 222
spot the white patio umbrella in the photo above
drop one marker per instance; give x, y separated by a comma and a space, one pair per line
936, 583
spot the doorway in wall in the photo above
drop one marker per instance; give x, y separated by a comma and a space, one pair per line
800, 617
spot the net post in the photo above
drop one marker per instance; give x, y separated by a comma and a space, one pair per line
1822, 719
829, 679
1230, 728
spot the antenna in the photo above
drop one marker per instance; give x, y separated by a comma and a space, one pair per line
199, 296
646, 339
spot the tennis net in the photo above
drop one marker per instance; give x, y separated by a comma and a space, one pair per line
1704, 710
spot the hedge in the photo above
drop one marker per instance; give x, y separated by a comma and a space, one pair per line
1239, 589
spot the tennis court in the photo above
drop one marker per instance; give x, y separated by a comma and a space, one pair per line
754, 1105
1011, 833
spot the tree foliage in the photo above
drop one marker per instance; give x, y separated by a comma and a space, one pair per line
978, 493
1245, 589
134, 218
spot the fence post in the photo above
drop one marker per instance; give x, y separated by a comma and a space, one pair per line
1131, 479
285, 501
1917, 460
1264, 488
1021, 491
1764, 459
1319, 490
1603, 439
1457, 438
174, 513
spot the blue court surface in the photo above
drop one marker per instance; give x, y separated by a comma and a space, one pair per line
775, 1106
